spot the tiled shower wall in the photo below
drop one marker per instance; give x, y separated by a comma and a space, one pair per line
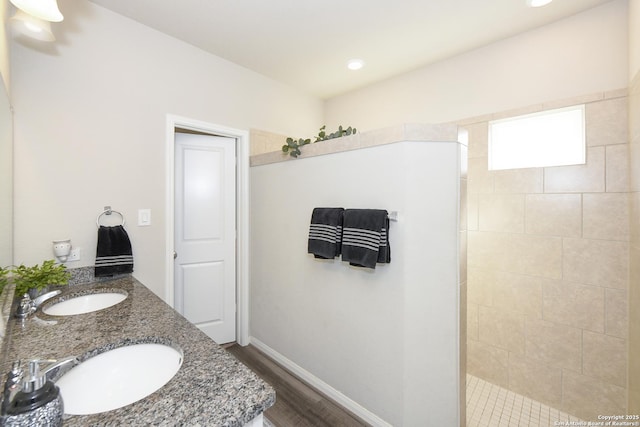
548, 261
634, 279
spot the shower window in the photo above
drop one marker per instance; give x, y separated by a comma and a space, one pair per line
550, 138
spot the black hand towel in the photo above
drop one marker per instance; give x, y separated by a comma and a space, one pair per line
325, 232
113, 255
365, 237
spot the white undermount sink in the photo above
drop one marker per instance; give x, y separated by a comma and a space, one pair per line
85, 304
118, 377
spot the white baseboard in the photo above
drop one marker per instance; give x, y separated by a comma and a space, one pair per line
322, 386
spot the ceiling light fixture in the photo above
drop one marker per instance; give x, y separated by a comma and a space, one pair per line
355, 64
32, 27
538, 3
42, 9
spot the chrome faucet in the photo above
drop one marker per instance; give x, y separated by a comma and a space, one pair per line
28, 306
57, 368
16, 377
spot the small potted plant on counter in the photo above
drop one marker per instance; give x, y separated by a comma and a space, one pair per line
36, 279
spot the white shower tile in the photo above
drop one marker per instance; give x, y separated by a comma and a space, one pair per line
489, 405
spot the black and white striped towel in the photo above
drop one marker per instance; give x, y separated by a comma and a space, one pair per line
113, 254
325, 232
365, 237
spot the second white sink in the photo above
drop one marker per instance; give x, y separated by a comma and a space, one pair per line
85, 304
118, 377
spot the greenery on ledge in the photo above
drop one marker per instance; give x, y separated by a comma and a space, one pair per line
293, 146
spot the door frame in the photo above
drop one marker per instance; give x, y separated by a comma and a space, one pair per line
242, 213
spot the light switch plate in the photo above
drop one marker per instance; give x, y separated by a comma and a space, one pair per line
144, 217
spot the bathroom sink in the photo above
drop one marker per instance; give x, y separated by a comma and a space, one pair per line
84, 304
118, 377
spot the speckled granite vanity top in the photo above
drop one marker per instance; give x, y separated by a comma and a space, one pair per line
211, 388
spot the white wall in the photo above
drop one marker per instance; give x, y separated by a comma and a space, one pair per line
583, 54
634, 38
90, 114
4, 43
6, 145
386, 338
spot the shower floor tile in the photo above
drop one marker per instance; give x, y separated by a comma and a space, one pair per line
489, 405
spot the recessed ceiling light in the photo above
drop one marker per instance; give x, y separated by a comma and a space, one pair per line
355, 64
538, 3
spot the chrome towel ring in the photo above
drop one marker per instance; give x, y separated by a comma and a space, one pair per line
108, 211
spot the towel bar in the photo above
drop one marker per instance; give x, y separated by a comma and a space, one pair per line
108, 211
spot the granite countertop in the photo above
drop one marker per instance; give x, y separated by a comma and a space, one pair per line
212, 388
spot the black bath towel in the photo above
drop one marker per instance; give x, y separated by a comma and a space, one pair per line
365, 237
325, 233
113, 255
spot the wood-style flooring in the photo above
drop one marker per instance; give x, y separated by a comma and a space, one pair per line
297, 404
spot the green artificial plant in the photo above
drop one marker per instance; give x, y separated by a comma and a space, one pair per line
293, 145
39, 277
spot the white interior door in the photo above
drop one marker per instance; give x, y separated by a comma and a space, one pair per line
205, 224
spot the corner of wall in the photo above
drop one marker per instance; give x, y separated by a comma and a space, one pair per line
4, 44
633, 374
634, 38
633, 385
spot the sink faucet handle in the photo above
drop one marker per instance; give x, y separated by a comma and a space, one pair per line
14, 375
44, 297
55, 366
16, 370
26, 307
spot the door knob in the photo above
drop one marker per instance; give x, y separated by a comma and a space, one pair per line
175, 255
